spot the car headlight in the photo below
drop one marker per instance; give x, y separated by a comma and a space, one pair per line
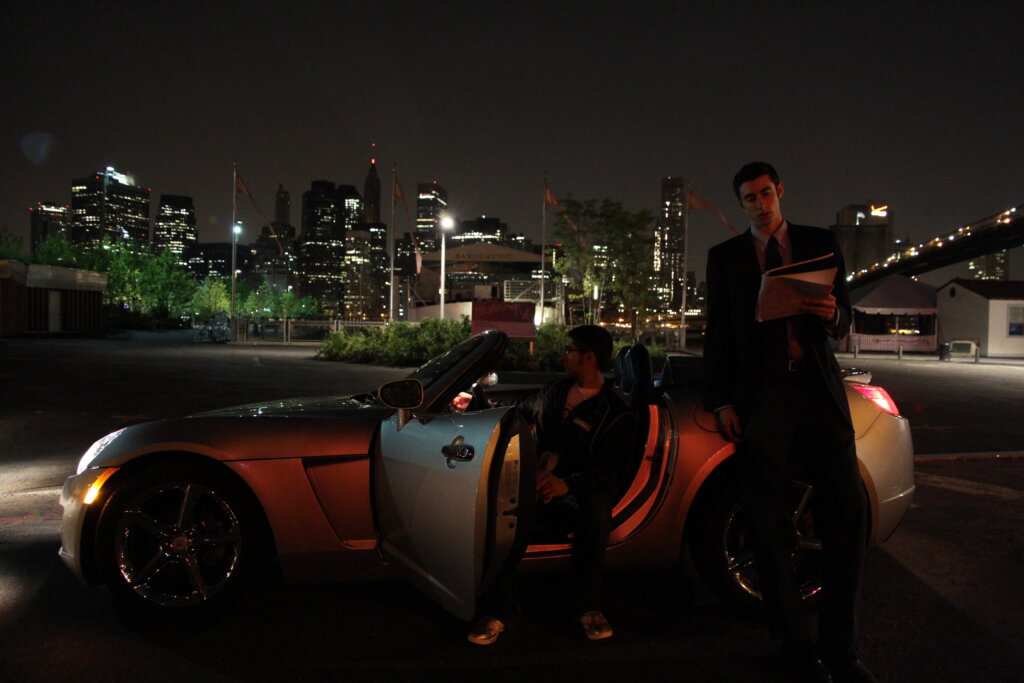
96, 449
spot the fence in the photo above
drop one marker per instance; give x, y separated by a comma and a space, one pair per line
296, 330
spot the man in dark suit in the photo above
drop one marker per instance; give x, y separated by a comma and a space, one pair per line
777, 393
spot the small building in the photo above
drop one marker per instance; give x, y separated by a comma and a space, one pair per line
895, 312
988, 312
50, 299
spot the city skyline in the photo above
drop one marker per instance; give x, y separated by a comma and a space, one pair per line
849, 103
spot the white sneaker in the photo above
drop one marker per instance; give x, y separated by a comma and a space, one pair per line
485, 631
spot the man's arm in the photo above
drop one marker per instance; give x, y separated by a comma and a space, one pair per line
719, 338
834, 311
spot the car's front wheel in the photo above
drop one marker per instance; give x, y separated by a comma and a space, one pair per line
722, 546
176, 538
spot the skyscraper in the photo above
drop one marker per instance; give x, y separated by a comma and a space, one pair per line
108, 204
275, 252
367, 270
482, 229
175, 228
322, 246
865, 234
994, 266
371, 195
282, 206
431, 202
669, 244
48, 218
350, 207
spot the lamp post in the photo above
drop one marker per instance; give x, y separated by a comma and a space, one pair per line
236, 230
446, 223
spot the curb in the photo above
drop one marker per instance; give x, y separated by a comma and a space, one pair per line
994, 455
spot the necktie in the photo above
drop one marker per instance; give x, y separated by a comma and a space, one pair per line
772, 255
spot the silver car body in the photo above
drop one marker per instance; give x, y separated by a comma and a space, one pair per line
349, 493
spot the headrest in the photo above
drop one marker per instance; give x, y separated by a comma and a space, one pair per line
633, 367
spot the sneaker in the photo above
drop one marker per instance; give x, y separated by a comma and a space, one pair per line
595, 625
485, 631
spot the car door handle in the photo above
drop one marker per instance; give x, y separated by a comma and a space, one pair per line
457, 450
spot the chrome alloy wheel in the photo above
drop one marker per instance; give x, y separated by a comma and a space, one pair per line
737, 549
178, 544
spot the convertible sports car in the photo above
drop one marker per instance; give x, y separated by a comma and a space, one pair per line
175, 516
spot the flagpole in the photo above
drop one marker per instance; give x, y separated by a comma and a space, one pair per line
543, 241
391, 246
234, 244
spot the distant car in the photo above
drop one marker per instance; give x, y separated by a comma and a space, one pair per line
175, 516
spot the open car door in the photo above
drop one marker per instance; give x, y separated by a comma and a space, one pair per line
448, 493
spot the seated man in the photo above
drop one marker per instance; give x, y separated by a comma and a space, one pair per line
584, 433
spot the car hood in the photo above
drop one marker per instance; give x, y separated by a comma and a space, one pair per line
309, 407
290, 428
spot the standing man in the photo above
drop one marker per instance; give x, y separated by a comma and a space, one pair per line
777, 393
584, 436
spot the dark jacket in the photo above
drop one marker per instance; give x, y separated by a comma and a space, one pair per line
733, 344
593, 441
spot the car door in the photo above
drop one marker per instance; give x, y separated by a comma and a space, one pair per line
447, 495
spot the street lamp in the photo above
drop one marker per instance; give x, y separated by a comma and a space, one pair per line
236, 230
446, 223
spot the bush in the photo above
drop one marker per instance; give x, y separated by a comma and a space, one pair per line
395, 344
405, 344
551, 341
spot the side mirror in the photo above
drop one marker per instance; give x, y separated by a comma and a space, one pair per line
405, 395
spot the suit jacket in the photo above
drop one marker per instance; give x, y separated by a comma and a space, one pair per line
734, 345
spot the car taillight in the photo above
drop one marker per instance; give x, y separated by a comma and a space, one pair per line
879, 396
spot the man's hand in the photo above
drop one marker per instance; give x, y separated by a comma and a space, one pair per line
462, 401
549, 486
823, 308
728, 422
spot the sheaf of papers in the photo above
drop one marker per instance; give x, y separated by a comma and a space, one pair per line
784, 289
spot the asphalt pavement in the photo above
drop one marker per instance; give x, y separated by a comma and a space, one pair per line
941, 597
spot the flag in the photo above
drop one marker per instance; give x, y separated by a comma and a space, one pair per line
550, 199
695, 201
399, 195
698, 202
240, 187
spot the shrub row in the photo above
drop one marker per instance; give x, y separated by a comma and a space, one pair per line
404, 344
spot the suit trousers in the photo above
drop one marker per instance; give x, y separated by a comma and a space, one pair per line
793, 431
585, 521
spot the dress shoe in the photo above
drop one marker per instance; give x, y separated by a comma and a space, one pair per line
800, 660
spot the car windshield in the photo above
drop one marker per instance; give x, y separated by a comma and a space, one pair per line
439, 365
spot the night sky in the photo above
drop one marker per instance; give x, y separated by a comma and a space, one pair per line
917, 104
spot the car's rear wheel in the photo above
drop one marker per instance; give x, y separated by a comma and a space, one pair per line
722, 547
176, 538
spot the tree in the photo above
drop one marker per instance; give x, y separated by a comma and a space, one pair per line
166, 287
607, 252
210, 299
260, 303
10, 246
55, 250
630, 253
